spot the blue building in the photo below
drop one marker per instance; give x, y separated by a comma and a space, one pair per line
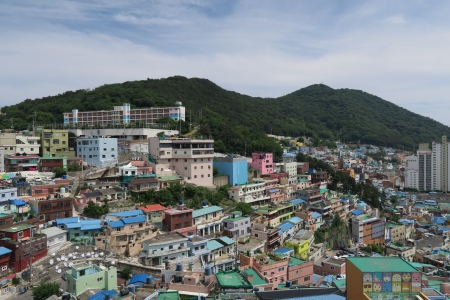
235, 167
97, 151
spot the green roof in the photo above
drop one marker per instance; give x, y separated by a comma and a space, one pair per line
296, 261
420, 265
381, 264
213, 245
232, 279
390, 224
362, 218
204, 211
171, 295
323, 190
16, 228
340, 284
257, 280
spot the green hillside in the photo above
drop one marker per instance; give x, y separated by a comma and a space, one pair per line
239, 122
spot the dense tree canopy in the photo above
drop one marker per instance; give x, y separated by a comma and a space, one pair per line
238, 123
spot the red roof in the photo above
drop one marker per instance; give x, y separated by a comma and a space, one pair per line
152, 207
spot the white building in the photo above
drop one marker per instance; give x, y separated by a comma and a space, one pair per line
98, 151
412, 172
56, 237
19, 143
208, 219
124, 133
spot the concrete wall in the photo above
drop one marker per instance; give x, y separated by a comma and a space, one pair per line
221, 180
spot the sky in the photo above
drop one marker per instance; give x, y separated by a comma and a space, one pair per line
397, 50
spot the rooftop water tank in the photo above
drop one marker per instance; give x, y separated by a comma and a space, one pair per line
288, 284
149, 280
179, 267
207, 271
132, 288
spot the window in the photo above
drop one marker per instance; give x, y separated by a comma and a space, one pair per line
195, 176
171, 247
203, 175
306, 278
185, 160
331, 267
196, 248
296, 272
112, 149
202, 247
131, 226
201, 166
55, 141
4, 268
20, 234
32, 149
176, 160
103, 156
82, 272
195, 168
185, 168
281, 269
209, 175
265, 273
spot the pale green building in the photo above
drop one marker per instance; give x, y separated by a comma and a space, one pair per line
83, 276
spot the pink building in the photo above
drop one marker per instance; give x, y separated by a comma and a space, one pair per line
263, 162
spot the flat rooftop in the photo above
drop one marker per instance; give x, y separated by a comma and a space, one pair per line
167, 237
381, 264
16, 228
232, 279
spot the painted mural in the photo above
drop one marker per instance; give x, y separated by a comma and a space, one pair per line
336, 238
392, 286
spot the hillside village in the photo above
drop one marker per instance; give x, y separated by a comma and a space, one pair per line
147, 213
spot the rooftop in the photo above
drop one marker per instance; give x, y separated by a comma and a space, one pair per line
232, 279
381, 264
169, 295
152, 207
204, 211
130, 213
167, 237
294, 261
257, 280
53, 231
16, 228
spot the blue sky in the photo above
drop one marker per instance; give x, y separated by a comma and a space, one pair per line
397, 50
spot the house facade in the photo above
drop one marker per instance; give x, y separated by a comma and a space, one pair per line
83, 276
236, 225
162, 247
179, 219
97, 151
208, 219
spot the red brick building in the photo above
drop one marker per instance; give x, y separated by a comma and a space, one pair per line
52, 208
43, 190
48, 163
25, 243
5, 255
179, 219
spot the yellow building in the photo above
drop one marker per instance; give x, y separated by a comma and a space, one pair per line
55, 142
300, 247
352, 173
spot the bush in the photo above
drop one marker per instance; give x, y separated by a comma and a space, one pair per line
45, 290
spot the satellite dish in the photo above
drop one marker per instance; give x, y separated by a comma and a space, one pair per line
90, 262
96, 255
77, 247
65, 264
113, 263
56, 267
101, 254
51, 261
74, 257
59, 271
66, 259
70, 255
95, 248
58, 259
53, 254
88, 254
82, 255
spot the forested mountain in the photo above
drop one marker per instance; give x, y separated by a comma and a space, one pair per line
239, 122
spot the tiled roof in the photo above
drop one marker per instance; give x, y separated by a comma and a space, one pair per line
152, 207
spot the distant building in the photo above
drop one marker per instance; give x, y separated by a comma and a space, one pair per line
56, 237
155, 213
234, 166
190, 158
263, 162
97, 151
208, 219
19, 143
123, 115
83, 276
162, 247
15, 163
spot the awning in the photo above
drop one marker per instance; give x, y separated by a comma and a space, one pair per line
190, 293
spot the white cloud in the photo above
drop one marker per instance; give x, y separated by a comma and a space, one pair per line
398, 19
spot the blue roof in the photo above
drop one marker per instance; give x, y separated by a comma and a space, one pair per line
377, 255
101, 295
443, 228
274, 191
438, 220
298, 201
213, 245
316, 278
64, 221
406, 221
117, 224
18, 202
131, 220
130, 213
91, 226
316, 215
328, 278
138, 278
357, 212
226, 240
4, 251
283, 250
294, 220
85, 224
285, 226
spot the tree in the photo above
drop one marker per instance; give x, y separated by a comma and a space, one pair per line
190, 191
94, 210
16, 281
164, 197
176, 189
126, 273
215, 171
245, 208
46, 290
160, 134
59, 172
74, 167
337, 221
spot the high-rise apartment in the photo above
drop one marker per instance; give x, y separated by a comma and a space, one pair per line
124, 115
190, 158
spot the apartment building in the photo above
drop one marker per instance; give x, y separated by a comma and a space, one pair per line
405, 252
162, 247
50, 208
234, 166
236, 225
309, 195
329, 266
83, 276
19, 143
412, 172
97, 151
179, 219
222, 254
126, 235
198, 247
2, 159
270, 235
289, 167
17, 163
55, 142
395, 232
190, 158
25, 244
48, 162
274, 214
263, 162
155, 214
208, 219
253, 193
123, 115
368, 229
